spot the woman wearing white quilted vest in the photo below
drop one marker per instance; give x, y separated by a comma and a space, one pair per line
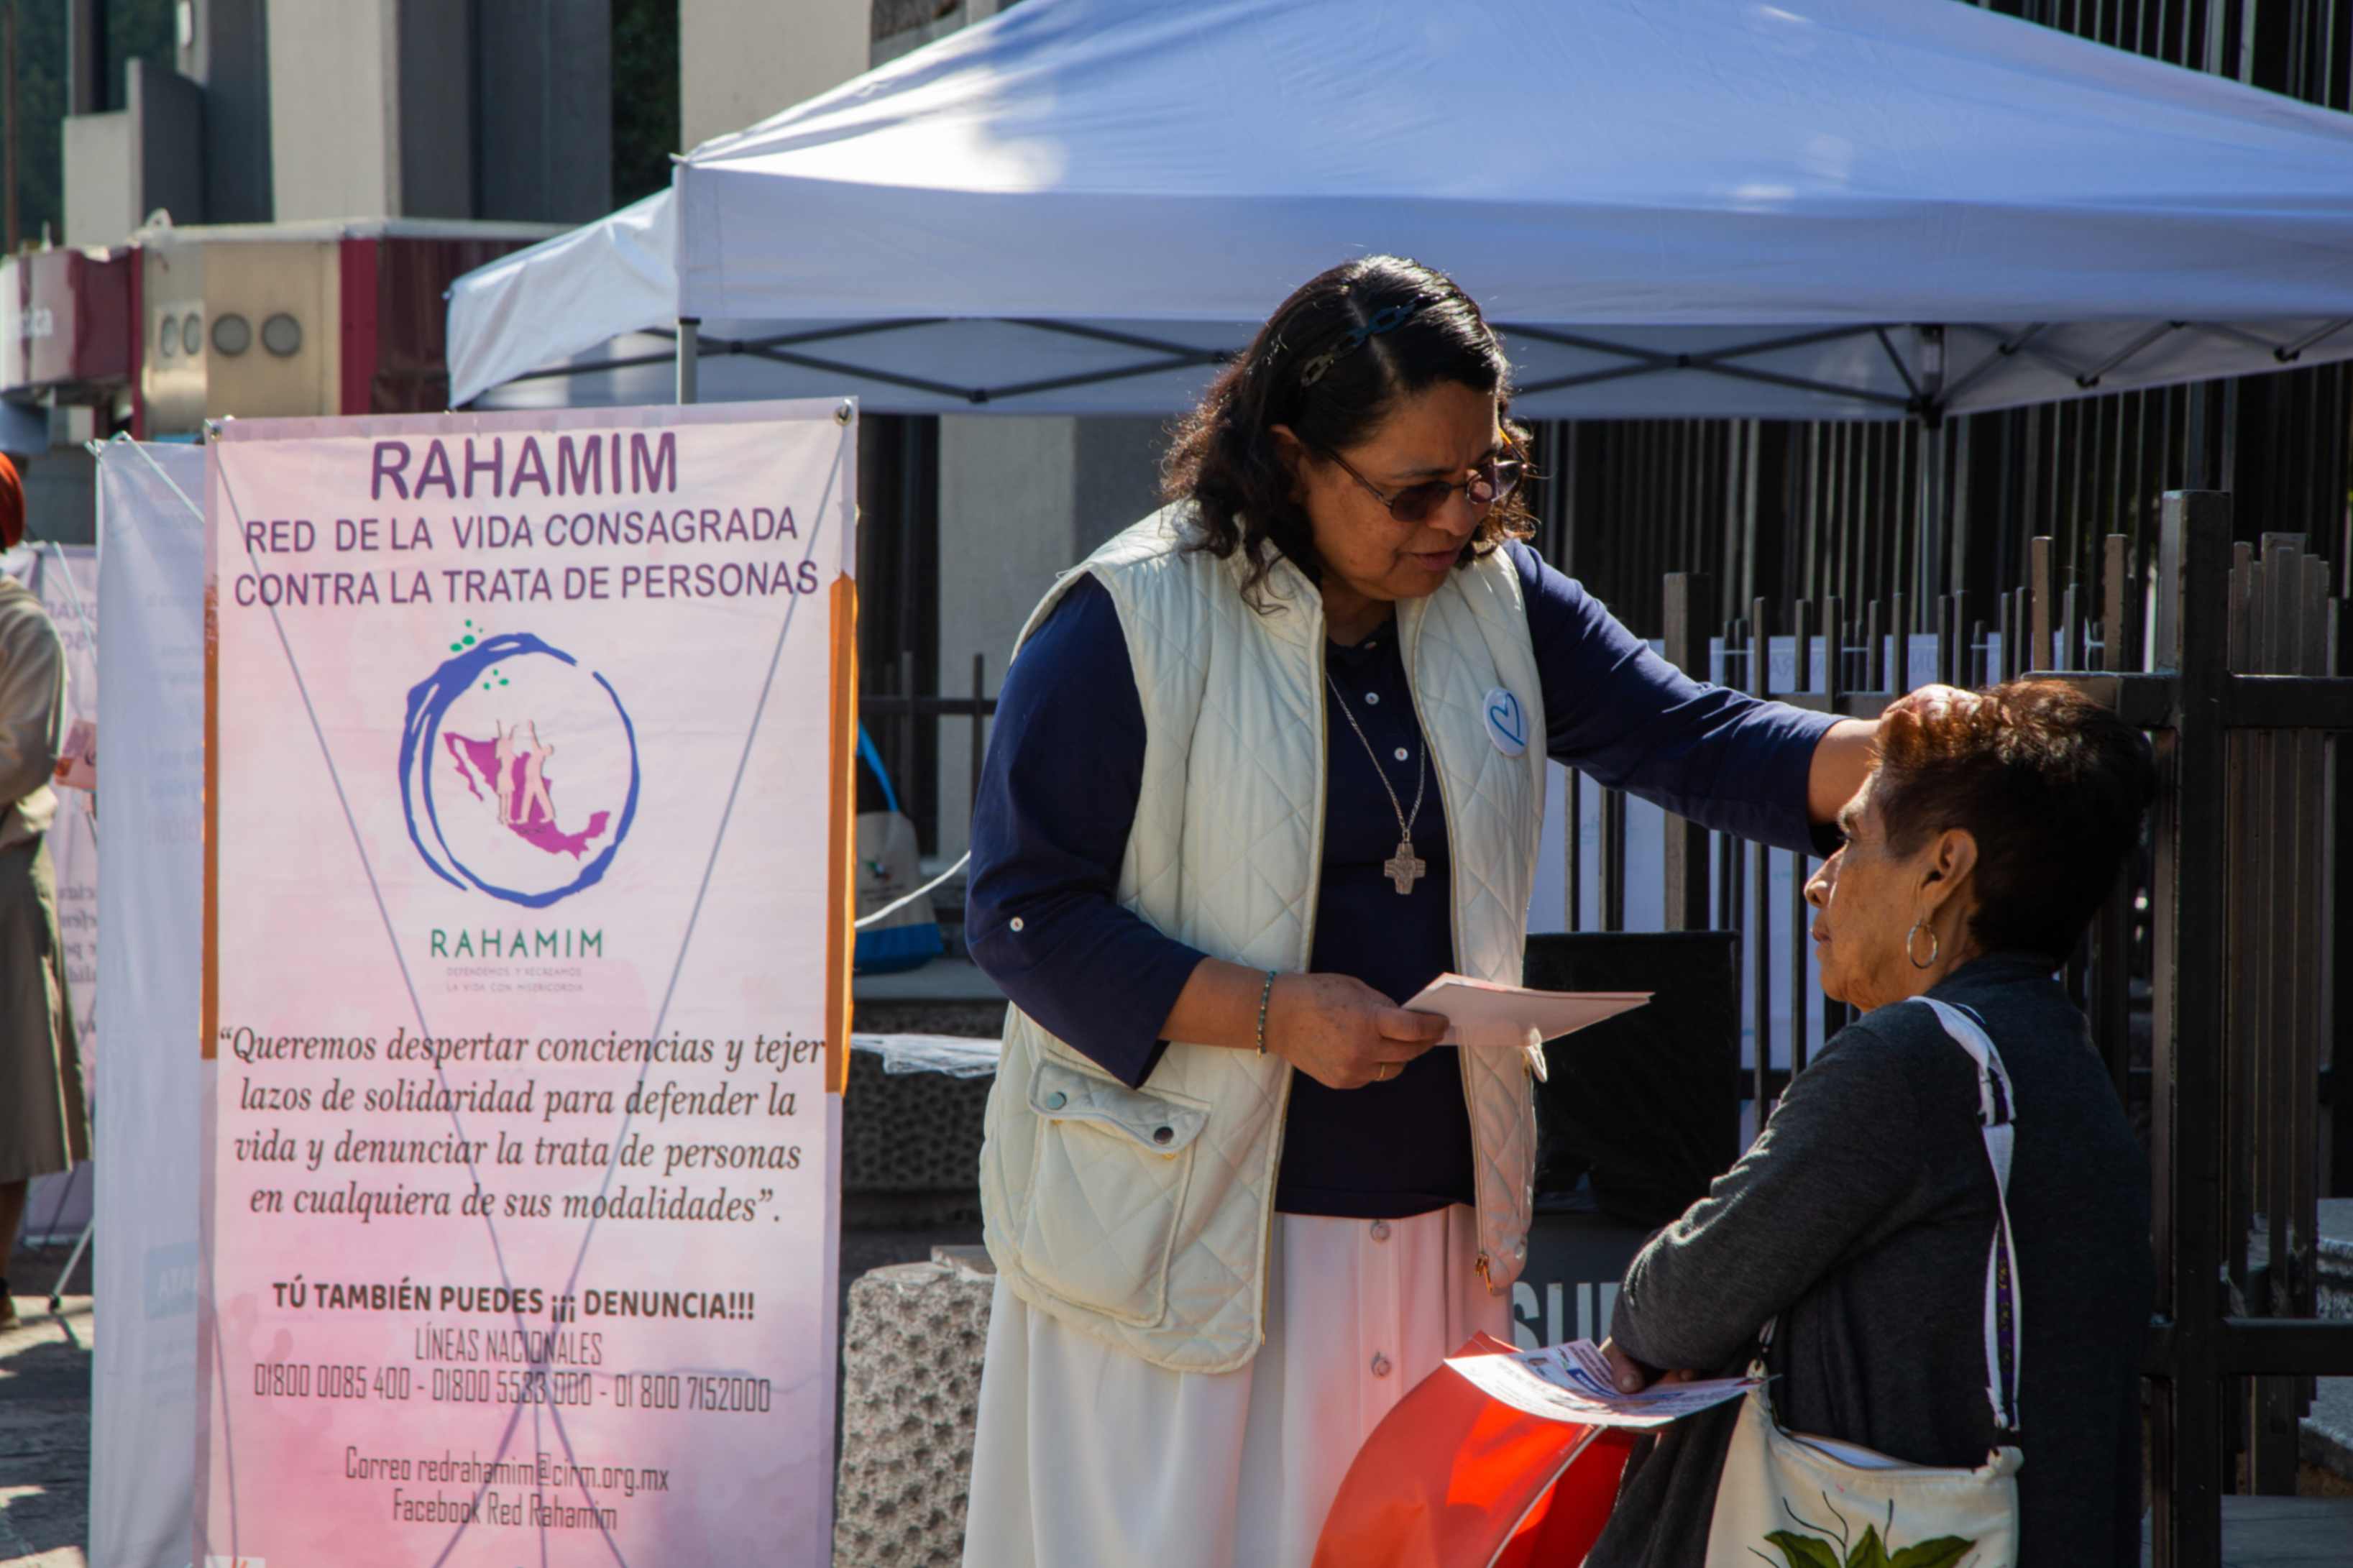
1265, 764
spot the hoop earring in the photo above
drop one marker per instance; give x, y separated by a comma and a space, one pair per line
1934, 945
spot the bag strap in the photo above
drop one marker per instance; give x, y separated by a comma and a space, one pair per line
1996, 1110
1996, 1113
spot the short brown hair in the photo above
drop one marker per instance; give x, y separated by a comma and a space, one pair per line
2052, 785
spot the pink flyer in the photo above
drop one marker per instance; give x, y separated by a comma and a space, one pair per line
526, 986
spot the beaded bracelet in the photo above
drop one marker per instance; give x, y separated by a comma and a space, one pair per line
1265, 994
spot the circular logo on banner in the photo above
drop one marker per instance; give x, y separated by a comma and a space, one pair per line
518, 770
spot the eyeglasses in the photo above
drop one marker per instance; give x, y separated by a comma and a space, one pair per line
1491, 481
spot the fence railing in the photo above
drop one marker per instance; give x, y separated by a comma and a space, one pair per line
2210, 978
893, 708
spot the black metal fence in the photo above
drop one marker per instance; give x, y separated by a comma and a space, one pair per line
2216, 978
2242, 697
1786, 511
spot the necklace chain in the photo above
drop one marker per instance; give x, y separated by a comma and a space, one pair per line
1420, 772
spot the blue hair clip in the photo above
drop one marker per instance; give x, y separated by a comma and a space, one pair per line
1389, 319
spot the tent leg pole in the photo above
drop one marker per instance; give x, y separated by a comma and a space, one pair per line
1957, 550
1929, 531
57, 1291
690, 358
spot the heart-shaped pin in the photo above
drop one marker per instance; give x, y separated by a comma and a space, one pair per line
1507, 724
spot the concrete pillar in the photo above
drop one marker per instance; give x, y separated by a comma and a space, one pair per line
227, 51
334, 120
740, 61
433, 101
546, 112
1020, 498
127, 163
168, 116
440, 109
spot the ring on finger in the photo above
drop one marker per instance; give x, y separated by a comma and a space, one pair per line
1389, 1071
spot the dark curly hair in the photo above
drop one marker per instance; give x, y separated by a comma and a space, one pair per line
1225, 460
2051, 784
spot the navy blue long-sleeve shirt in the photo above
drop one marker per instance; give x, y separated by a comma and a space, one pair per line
1058, 797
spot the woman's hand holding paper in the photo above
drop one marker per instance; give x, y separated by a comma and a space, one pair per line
1631, 1376
1343, 1034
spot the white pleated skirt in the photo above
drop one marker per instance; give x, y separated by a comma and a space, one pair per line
1090, 1458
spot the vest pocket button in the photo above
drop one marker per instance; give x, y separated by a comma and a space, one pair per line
1056, 1100
1164, 1135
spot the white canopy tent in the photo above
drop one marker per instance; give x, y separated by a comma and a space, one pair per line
1808, 209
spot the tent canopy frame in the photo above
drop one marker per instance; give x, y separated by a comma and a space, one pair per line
1929, 393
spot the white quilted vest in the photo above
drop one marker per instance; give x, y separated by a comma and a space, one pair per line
1144, 1216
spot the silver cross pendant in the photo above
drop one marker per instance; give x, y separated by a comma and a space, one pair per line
1404, 867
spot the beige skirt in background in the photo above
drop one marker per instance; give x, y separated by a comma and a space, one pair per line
43, 1126
1090, 1458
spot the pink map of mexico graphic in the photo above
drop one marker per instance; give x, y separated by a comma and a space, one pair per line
478, 764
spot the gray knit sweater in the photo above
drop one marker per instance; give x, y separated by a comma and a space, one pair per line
1861, 1218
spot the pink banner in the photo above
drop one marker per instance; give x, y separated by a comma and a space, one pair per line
528, 906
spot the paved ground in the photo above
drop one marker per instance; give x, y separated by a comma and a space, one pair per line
44, 1441
45, 1426
2286, 1533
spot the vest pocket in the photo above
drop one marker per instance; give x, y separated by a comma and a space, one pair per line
1112, 1167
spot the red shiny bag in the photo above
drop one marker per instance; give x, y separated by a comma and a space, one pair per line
1453, 1478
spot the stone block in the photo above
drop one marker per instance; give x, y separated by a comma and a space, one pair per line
911, 1353
910, 1132
2327, 1435
2326, 1438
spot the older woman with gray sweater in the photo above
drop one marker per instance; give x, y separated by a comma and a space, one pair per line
1988, 833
